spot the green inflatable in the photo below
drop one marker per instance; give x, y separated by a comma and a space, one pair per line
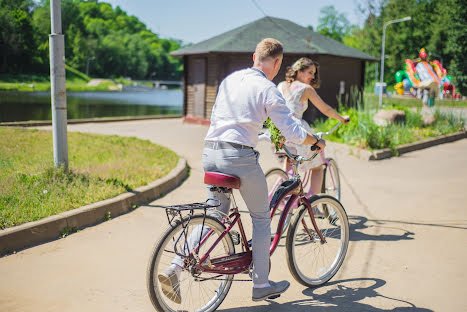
400, 75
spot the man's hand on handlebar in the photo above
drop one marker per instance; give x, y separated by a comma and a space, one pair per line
319, 145
311, 140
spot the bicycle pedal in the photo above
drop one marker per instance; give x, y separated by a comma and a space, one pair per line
235, 237
274, 296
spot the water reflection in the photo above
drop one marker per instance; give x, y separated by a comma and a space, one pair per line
22, 106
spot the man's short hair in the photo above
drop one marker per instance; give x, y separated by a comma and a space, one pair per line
268, 47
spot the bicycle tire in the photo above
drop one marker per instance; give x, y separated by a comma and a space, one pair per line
331, 180
274, 177
305, 255
160, 301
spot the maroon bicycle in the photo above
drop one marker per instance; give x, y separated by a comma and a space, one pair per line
214, 254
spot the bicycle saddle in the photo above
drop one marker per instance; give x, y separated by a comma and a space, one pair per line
222, 179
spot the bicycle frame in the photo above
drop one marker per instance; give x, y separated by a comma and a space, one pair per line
307, 175
240, 262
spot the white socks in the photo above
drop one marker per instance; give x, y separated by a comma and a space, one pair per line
261, 285
177, 269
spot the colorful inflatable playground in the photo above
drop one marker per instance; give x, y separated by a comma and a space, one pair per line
424, 79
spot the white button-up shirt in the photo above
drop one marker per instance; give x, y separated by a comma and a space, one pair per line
244, 101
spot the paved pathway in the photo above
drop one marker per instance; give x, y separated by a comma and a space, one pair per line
407, 252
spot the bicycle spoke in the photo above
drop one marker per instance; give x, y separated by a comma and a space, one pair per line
312, 262
197, 294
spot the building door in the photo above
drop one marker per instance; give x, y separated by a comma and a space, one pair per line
199, 85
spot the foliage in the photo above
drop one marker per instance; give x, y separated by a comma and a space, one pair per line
100, 167
73, 74
275, 134
413, 102
16, 35
111, 42
456, 42
75, 81
363, 132
437, 25
332, 23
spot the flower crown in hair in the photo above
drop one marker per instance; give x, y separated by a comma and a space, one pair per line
297, 65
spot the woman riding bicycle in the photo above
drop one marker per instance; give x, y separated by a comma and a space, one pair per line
244, 100
298, 88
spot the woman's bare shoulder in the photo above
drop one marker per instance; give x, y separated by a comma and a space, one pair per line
284, 87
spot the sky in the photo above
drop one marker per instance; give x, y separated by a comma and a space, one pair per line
193, 21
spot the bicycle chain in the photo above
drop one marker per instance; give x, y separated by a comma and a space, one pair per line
223, 279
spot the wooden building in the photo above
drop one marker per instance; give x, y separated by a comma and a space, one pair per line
208, 62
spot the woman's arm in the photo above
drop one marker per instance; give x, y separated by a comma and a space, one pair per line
324, 108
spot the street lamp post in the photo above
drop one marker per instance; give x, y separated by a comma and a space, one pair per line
57, 86
382, 55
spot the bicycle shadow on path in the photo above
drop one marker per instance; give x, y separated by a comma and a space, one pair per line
359, 223
339, 296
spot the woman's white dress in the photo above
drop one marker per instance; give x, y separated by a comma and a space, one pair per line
298, 108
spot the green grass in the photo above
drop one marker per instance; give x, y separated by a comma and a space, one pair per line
413, 102
363, 132
101, 167
71, 85
127, 82
75, 81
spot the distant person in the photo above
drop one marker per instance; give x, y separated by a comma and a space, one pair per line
246, 98
430, 83
301, 79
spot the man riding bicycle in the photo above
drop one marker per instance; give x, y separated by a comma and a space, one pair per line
246, 98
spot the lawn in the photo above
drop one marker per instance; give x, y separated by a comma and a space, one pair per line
75, 81
101, 167
363, 132
412, 101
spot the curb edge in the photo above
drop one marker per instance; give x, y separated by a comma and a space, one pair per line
51, 228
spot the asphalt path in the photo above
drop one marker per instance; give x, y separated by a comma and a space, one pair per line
407, 250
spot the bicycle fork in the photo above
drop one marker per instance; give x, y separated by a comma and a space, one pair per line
313, 222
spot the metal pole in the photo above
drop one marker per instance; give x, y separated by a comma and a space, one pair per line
382, 68
382, 56
57, 86
376, 72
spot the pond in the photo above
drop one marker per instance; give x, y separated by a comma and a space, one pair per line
23, 106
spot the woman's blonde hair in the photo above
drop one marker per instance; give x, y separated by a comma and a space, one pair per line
302, 64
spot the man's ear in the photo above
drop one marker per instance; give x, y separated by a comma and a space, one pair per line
277, 62
254, 57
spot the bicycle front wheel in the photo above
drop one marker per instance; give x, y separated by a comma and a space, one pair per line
311, 262
197, 291
331, 180
274, 178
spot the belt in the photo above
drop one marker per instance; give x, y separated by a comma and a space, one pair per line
225, 145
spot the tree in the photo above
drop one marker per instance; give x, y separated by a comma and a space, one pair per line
16, 35
332, 23
451, 25
120, 44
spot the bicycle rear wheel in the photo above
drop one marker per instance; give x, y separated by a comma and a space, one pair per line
274, 178
311, 262
197, 291
331, 180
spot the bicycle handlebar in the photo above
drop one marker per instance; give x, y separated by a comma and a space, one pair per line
321, 134
299, 159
